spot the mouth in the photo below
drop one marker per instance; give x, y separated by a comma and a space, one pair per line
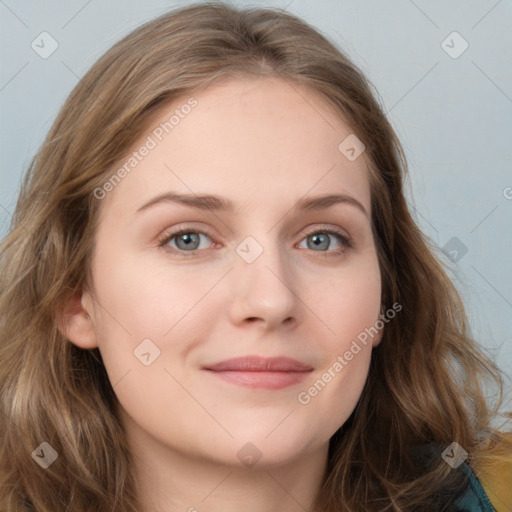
261, 372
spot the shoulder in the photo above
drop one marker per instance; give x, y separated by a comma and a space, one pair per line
475, 497
490, 481
488, 485
495, 476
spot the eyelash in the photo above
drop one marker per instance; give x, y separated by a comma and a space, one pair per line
344, 239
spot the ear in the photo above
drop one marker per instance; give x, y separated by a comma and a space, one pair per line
74, 322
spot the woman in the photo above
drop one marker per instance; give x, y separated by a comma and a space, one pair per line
308, 353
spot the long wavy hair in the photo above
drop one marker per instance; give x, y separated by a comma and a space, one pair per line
426, 382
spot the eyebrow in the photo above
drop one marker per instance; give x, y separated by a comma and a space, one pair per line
218, 203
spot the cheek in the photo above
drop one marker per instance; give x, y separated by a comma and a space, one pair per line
350, 310
144, 300
334, 393
335, 388
143, 309
349, 302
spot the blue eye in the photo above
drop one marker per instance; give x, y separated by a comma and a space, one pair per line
321, 239
187, 241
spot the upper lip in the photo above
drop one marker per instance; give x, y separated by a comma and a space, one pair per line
260, 364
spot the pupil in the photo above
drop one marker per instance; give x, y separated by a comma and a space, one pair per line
317, 240
187, 239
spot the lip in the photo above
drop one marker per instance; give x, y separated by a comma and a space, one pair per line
261, 372
260, 364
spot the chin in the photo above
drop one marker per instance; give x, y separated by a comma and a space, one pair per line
275, 448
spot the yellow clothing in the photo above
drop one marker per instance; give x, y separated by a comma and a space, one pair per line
496, 479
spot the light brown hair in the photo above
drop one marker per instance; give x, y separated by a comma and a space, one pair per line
424, 386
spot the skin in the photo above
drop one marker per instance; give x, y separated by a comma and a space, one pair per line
264, 145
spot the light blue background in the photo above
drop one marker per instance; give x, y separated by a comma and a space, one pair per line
453, 116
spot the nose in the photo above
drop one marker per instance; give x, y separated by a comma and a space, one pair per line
264, 291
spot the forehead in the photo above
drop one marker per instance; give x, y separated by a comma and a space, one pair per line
261, 140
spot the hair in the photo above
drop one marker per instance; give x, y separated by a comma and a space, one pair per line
426, 380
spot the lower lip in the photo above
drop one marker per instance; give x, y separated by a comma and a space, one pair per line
262, 380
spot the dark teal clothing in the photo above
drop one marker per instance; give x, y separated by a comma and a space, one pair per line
475, 498
472, 497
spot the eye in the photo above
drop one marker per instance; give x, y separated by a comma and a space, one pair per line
187, 241
319, 239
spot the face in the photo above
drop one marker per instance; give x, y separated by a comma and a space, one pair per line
265, 277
